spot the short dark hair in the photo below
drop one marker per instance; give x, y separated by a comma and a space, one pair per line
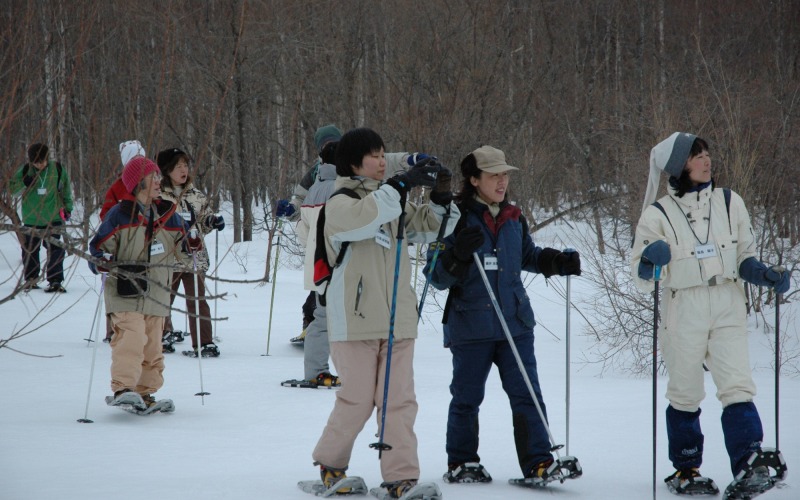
37, 152
683, 184
328, 153
352, 148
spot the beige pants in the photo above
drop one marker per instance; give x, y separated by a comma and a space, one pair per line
362, 366
706, 324
137, 362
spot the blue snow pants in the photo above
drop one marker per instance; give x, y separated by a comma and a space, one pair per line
471, 365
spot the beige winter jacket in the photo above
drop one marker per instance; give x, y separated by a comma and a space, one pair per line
359, 296
183, 199
690, 221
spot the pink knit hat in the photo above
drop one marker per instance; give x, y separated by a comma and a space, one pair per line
136, 170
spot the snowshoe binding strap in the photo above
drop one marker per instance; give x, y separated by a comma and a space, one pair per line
690, 482
570, 467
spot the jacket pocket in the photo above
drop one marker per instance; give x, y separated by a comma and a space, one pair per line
524, 309
134, 286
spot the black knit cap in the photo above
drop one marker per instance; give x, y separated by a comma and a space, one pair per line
37, 152
167, 159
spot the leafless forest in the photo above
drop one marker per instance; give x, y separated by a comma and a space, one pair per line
575, 92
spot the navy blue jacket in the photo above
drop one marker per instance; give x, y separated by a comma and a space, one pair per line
469, 315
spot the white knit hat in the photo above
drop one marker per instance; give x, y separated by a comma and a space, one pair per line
670, 156
129, 150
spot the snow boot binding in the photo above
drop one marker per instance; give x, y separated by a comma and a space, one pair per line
541, 474
325, 379
154, 406
570, 467
334, 483
207, 351
126, 399
690, 482
470, 472
407, 489
300, 339
755, 477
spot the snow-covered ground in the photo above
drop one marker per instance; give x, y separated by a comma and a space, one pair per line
251, 438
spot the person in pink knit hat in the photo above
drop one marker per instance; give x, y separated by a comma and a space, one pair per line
137, 244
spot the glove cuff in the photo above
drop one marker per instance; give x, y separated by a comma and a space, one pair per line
453, 264
441, 198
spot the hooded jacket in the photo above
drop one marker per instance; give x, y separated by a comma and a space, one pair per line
124, 234
359, 295
695, 218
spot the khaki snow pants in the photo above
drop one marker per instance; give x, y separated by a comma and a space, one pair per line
362, 366
137, 362
706, 324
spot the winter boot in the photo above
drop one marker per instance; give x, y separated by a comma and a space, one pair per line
149, 400
166, 343
55, 287
689, 481
300, 339
331, 476
325, 379
470, 472
545, 472
210, 351
397, 489
178, 336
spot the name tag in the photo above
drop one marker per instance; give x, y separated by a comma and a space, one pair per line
187, 216
382, 239
156, 248
705, 251
42, 191
490, 262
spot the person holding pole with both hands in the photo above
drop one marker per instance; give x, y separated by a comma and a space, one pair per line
701, 238
494, 233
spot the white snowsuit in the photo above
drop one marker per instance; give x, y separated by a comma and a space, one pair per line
704, 314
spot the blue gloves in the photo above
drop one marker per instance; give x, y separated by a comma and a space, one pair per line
755, 272
415, 158
655, 254
285, 209
215, 222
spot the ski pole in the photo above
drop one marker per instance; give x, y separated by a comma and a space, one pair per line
95, 321
520, 364
569, 301
274, 277
216, 275
439, 244
199, 353
656, 278
778, 296
380, 445
95, 318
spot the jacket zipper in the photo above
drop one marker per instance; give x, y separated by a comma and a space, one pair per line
359, 289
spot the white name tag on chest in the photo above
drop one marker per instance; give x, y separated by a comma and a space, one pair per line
705, 251
42, 191
490, 262
156, 248
382, 239
187, 216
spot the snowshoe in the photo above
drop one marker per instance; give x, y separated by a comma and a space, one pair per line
208, 351
305, 384
470, 472
299, 340
152, 406
690, 482
408, 489
177, 336
755, 477
570, 467
325, 379
126, 399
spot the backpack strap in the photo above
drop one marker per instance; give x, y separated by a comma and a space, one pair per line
322, 268
726, 192
661, 207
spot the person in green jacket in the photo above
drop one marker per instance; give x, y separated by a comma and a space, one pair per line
46, 204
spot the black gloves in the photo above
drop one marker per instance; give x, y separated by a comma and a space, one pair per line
442, 194
552, 261
423, 173
215, 222
467, 241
